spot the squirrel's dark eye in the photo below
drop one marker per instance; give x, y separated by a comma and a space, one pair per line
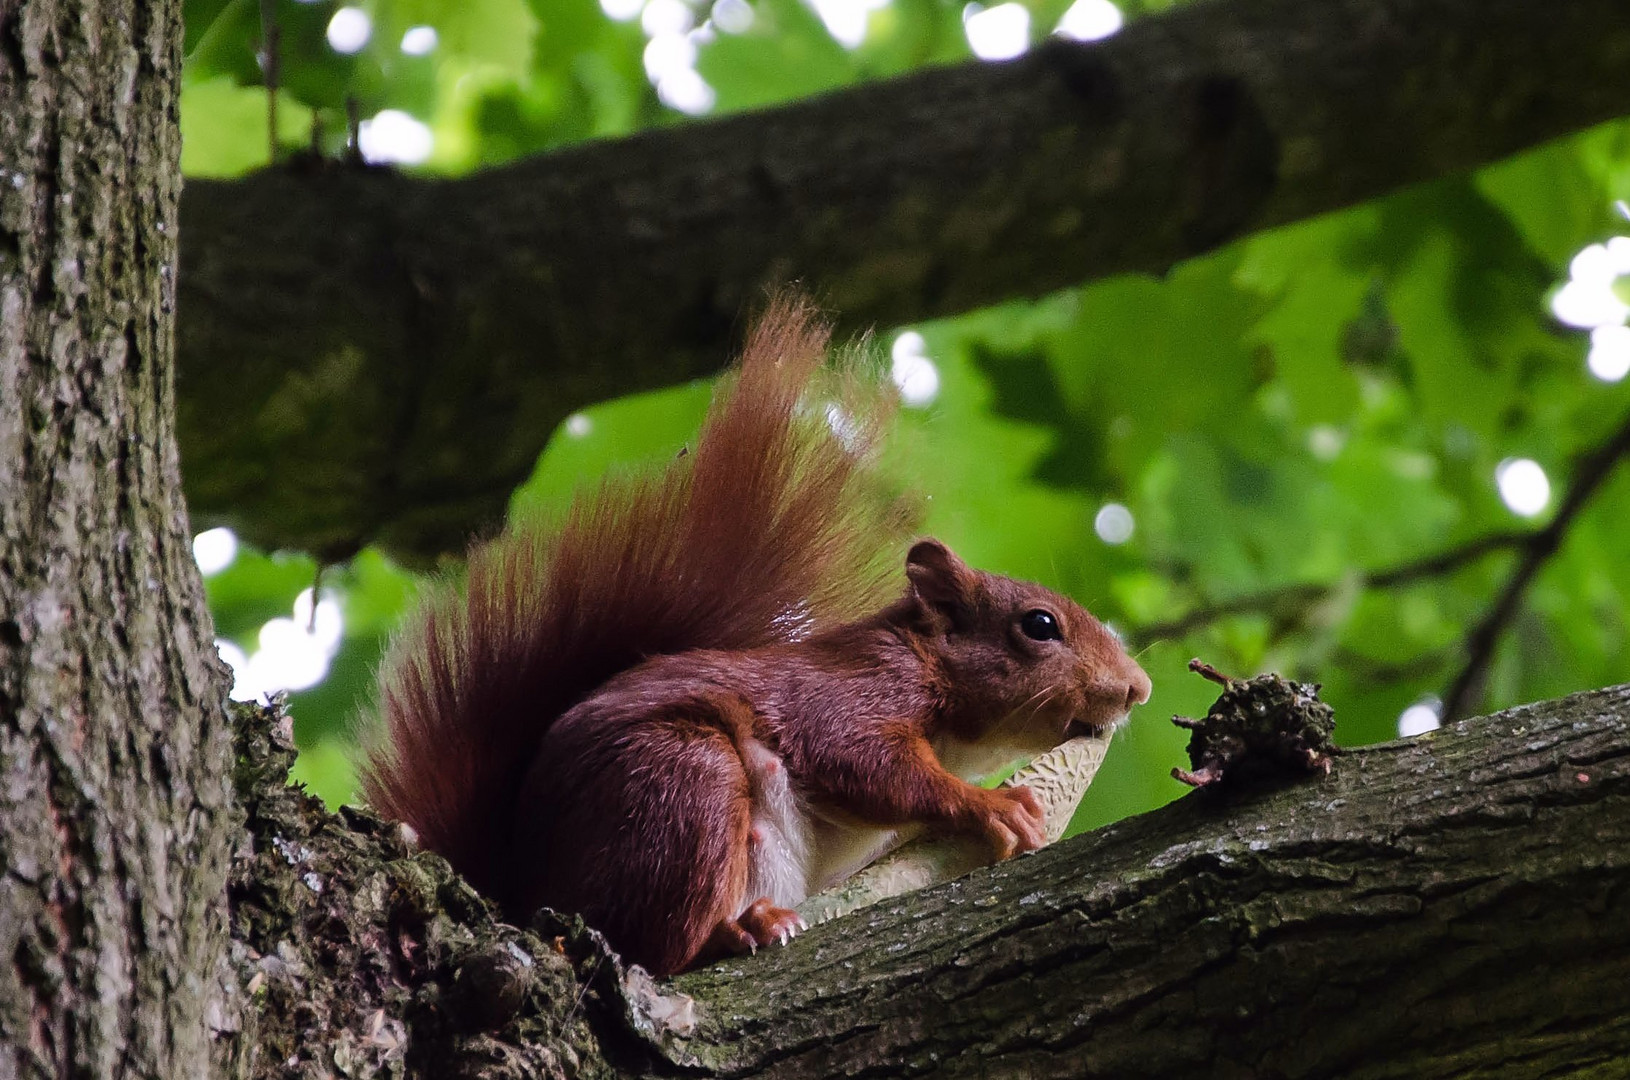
1040, 625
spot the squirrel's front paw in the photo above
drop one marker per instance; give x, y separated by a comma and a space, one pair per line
1013, 821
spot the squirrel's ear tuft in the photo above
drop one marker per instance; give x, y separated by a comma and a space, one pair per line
938, 577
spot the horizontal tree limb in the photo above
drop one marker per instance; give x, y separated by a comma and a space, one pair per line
368, 356
1456, 904
1452, 905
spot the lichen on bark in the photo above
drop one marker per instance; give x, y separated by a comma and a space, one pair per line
364, 956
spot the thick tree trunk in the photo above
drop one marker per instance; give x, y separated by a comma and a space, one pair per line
1449, 906
116, 813
453, 324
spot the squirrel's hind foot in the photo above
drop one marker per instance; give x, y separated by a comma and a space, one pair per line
761, 924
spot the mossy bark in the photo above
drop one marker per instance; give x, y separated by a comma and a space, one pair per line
116, 814
401, 347
1453, 905
366, 957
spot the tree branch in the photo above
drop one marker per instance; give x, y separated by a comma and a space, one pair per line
271, 66
1592, 471
1305, 594
396, 350
1535, 548
1452, 905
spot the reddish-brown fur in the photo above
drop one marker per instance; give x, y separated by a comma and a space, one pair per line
602, 723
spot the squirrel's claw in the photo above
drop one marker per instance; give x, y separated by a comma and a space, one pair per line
767, 924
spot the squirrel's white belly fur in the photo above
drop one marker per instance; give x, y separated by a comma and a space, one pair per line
792, 852
795, 853
779, 839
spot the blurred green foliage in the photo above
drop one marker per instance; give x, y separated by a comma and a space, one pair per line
1300, 408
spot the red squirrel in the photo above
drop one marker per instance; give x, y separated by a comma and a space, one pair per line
703, 695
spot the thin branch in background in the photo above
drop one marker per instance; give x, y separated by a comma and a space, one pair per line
1305, 594
1450, 560
353, 130
316, 595
1363, 669
1537, 549
271, 72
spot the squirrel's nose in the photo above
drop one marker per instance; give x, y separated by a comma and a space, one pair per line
1137, 687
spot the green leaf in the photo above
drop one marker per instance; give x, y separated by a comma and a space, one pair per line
786, 54
630, 433
325, 769
223, 127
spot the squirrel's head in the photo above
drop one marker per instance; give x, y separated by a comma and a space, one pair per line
1020, 664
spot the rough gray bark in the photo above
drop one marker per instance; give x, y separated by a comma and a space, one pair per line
116, 815
401, 348
1456, 905
1448, 906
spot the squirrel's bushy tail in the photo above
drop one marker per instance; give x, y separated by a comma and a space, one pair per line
771, 529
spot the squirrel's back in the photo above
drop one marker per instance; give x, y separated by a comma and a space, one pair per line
770, 530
